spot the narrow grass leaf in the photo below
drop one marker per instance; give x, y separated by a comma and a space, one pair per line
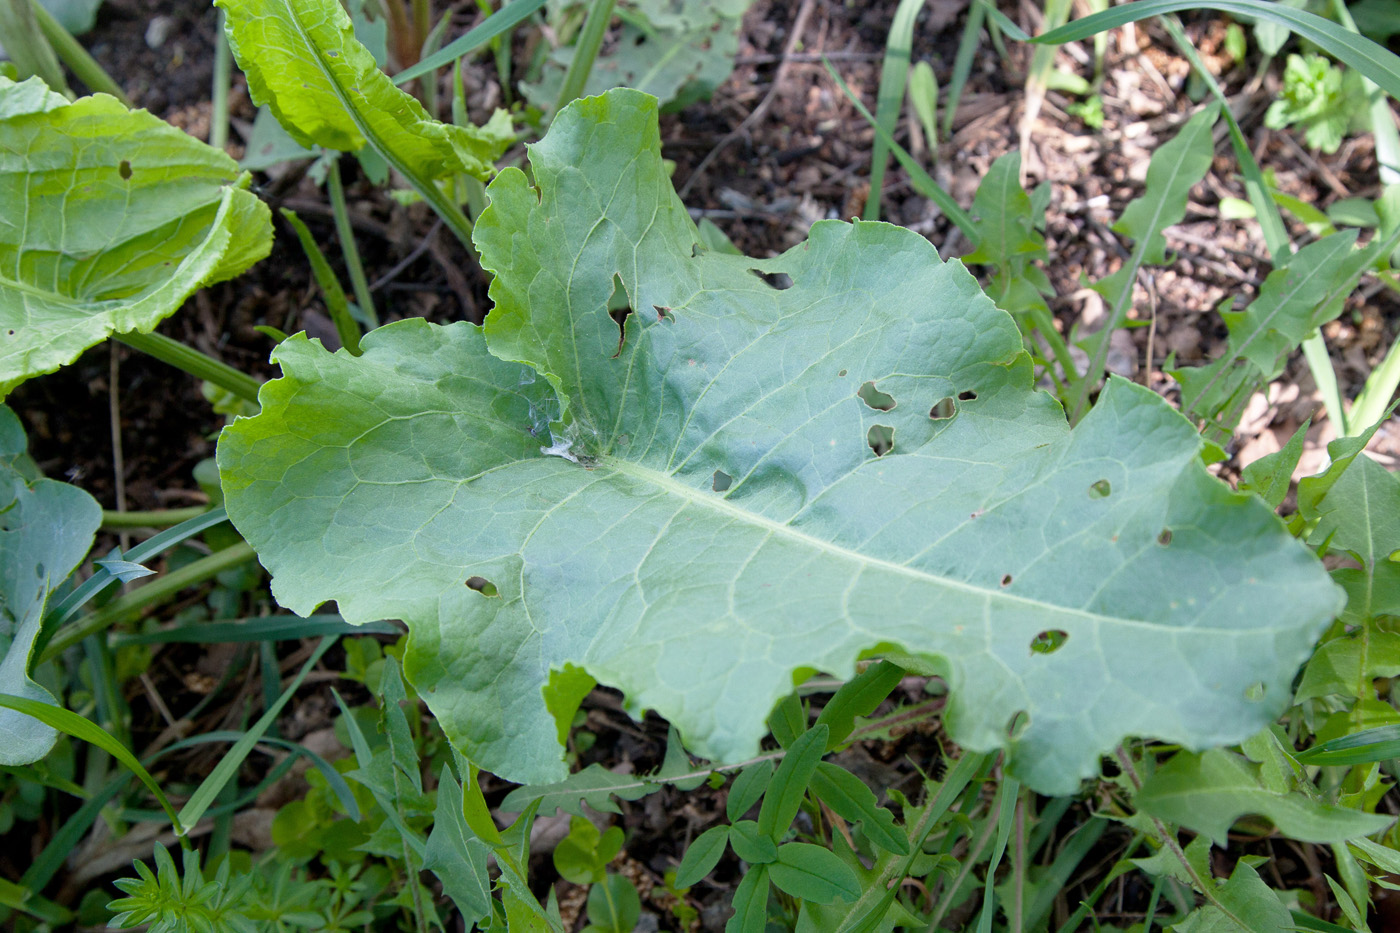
1379, 744
889, 100
71, 723
336, 303
503, 20
920, 179
229, 764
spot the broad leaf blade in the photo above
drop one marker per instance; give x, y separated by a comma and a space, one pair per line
600, 530
46, 528
302, 60
1208, 792
124, 216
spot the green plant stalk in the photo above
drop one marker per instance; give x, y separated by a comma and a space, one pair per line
72, 54
229, 764
27, 46
1168, 839
1086, 906
71, 723
223, 67
346, 327
1382, 120
1009, 793
160, 589
353, 267
1380, 388
190, 360
870, 907
1320, 363
590, 40
889, 101
163, 518
1256, 188
962, 65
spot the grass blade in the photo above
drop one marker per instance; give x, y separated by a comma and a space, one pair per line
894, 76
79, 728
1373, 61
921, 180
231, 762
503, 20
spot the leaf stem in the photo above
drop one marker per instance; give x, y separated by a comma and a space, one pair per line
590, 40
159, 589
223, 65
71, 52
353, 266
163, 518
1168, 838
190, 360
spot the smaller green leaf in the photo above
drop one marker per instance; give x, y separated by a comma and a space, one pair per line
1174, 169
336, 303
1361, 512
702, 856
583, 855
748, 787
677, 765
1005, 218
395, 723
1209, 791
750, 903
1336, 667
1379, 744
813, 874
789, 784
1244, 897
923, 95
1269, 476
858, 697
614, 905
1354, 212
750, 844
849, 797
594, 786
456, 855
788, 720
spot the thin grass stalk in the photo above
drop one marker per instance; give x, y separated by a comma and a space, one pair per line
223, 71
193, 362
72, 54
590, 40
894, 77
158, 590
962, 64
353, 267
26, 46
162, 518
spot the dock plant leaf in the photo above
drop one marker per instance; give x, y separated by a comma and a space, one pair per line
117, 218
46, 528
303, 61
770, 467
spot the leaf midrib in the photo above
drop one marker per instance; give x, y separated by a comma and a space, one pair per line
721, 505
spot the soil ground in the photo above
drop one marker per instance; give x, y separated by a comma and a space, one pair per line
808, 158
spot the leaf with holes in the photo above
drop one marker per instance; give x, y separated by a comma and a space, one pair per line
1038, 568
46, 529
123, 218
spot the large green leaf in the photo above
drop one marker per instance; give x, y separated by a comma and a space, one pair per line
116, 217
303, 61
46, 529
690, 507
